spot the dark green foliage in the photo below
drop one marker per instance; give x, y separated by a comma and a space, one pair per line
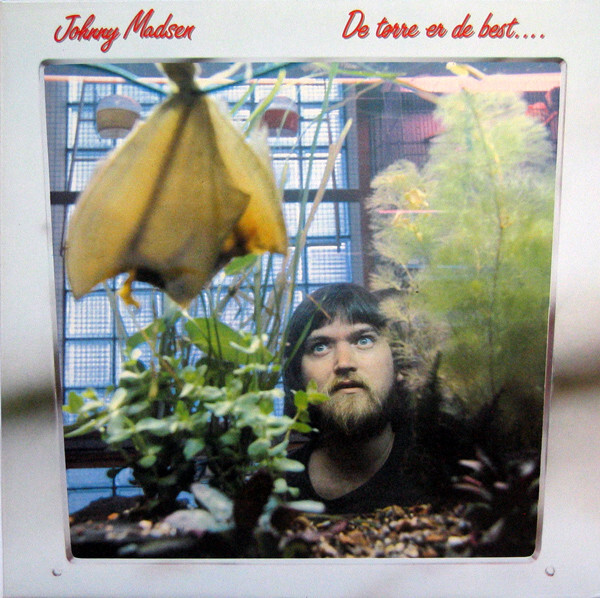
503, 497
441, 437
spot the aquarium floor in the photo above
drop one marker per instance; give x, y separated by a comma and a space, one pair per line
105, 529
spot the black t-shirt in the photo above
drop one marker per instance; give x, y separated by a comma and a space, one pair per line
391, 485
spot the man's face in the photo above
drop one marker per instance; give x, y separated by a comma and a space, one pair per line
353, 364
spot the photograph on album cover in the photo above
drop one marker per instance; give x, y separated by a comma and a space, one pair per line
226, 234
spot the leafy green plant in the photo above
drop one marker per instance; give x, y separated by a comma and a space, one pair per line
168, 417
467, 252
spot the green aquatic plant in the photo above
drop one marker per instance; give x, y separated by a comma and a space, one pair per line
465, 245
174, 417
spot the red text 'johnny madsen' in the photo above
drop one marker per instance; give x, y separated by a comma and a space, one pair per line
78, 30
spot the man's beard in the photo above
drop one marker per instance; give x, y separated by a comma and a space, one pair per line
354, 416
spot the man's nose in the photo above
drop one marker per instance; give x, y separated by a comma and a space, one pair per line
344, 359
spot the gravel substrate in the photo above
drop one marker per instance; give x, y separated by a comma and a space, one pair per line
393, 532
414, 532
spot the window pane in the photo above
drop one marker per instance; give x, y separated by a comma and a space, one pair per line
88, 363
329, 264
331, 220
89, 316
90, 336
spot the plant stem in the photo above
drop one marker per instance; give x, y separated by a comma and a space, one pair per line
496, 179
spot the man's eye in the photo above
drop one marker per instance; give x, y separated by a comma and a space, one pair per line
365, 341
318, 348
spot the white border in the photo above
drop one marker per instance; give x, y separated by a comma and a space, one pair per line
33, 501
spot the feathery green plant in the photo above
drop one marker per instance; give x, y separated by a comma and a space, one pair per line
468, 250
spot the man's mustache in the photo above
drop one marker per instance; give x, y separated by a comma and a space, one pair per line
340, 382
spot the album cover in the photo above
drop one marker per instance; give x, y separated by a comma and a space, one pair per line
299, 299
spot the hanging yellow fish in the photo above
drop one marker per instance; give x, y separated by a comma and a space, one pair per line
184, 193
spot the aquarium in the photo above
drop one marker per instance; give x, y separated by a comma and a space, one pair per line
444, 182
